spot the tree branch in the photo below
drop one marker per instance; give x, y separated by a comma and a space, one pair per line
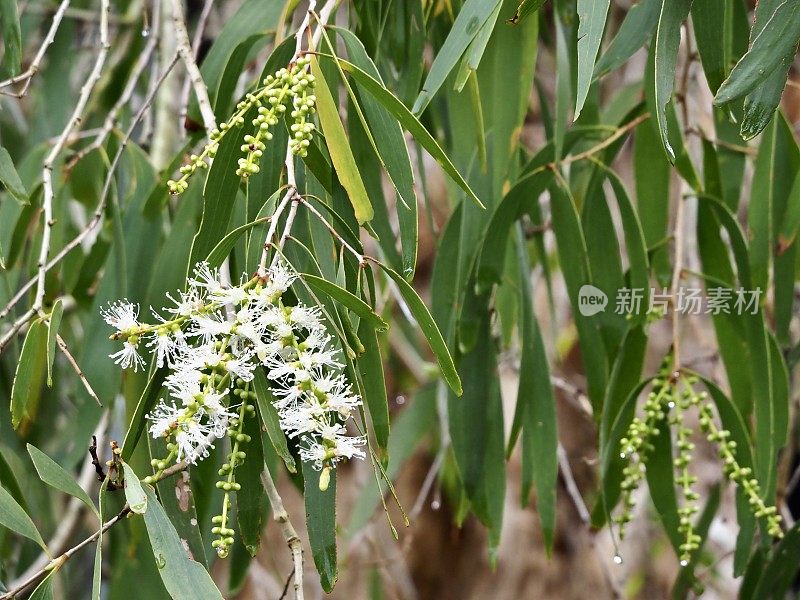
289, 534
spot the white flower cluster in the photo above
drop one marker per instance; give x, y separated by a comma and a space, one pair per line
215, 338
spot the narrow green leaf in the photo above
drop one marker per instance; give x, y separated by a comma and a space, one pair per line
639, 24
339, 148
392, 151
525, 9
370, 366
668, 38
55, 476
221, 251
781, 568
44, 591
771, 49
345, 298
536, 402
321, 523
134, 493
470, 19
184, 578
16, 519
429, 329
760, 104
592, 15
390, 102
30, 374
251, 500
52, 337
12, 36
269, 419
472, 56
9, 176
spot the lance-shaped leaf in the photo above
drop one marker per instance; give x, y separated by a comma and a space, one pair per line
55, 476
30, 373
184, 578
429, 329
339, 148
773, 47
668, 39
592, 15
321, 523
16, 519
391, 103
10, 178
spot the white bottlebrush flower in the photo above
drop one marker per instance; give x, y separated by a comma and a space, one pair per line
278, 280
242, 366
187, 303
232, 296
210, 325
166, 346
164, 419
206, 279
193, 440
128, 357
305, 317
121, 315
302, 419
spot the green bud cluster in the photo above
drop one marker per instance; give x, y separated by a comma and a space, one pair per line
672, 396
637, 445
741, 476
295, 84
683, 400
227, 472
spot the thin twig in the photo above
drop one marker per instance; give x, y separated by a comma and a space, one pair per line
47, 171
187, 56
27, 75
124, 99
289, 534
291, 181
62, 345
353, 251
196, 41
99, 210
66, 525
583, 512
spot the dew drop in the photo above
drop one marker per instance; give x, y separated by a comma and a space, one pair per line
145, 32
436, 505
400, 400
617, 559
684, 563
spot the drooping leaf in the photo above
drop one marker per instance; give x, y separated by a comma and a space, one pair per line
183, 578
470, 19
16, 519
339, 148
12, 36
409, 122
772, 48
345, 298
429, 329
269, 419
30, 374
52, 337
592, 15
321, 523
668, 37
8, 173
55, 476
639, 24
134, 493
